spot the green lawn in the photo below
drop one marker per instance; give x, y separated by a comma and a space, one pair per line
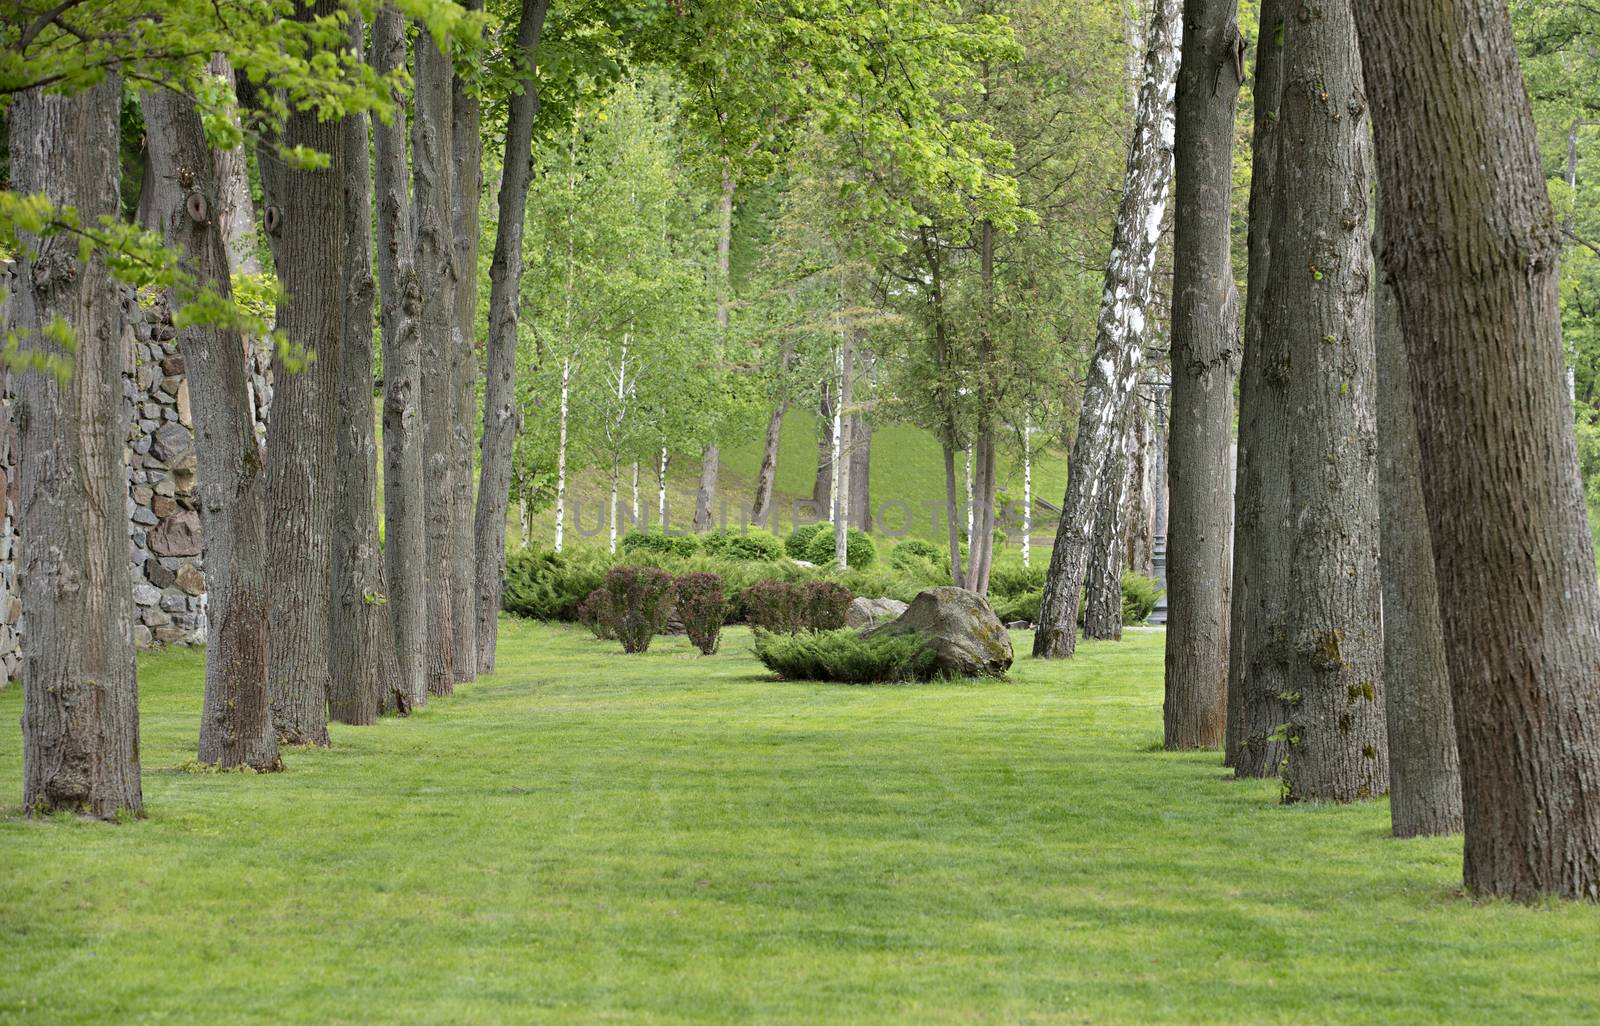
590, 837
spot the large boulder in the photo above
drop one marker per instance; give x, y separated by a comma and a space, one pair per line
962, 631
865, 612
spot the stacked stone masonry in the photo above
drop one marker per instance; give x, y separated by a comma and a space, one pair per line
165, 541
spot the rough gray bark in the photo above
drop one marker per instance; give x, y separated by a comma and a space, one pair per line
80, 703
1471, 251
432, 191
860, 472
235, 721
1138, 510
466, 153
1205, 348
841, 517
980, 548
1114, 369
1424, 771
300, 448
400, 308
711, 455
761, 508
1263, 513
500, 418
1320, 283
235, 214
822, 487
1102, 617
365, 677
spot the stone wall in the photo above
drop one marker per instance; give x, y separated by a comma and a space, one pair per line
165, 543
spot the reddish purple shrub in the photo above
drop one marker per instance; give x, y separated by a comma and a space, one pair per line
638, 603
826, 605
702, 605
776, 606
594, 613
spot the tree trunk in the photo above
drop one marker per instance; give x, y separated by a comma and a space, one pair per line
1102, 617
1424, 771
1027, 493
706, 493
365, 672
234, 213
1320, 283
561, 458
80, 704
1114, 371
841, 459
405, 530
1471, 251
860, 472
952, 518
1138, 504
300, 434
711, 456
235, 722
1263, 514
761, 509
661, 489
616, 478
500, 418
822, 487
433, 189
1205, 345
466, 178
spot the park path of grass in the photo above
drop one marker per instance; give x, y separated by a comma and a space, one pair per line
588, 837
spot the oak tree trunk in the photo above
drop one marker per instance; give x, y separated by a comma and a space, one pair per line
761, 508
80, 702
1263, 514
500, 417
235, 721
1319, 284
1424, 771
1205, 345
1471, 249
432, 193
400, 311
1114, 369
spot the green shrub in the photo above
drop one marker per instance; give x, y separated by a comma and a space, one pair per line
912, 552
1018, 607
1139, 597
754, 544
776, 606
826, 604
702, 606
1008, 578
880, 582
637, 541
594, 613
799, 541
639, 601
860, 552
845, 656
548, 585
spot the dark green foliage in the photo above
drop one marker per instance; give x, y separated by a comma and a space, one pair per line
1008, 578
702, 605
758, 545
1024, 606
594, 613
826, 605
1139, 597
662, 544
776, 606
860, 552
911, 553
639, 601
548, 585
798, 544
845, 656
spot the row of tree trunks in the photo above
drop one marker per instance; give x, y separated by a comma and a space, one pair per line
80, 716
400, 312
432, 215
235, 723
1205, 347
365, 678
1114, 369
1263, 521
1471, 246
500, 419
1319, 286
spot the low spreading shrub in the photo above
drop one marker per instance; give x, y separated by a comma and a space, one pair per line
1139, 597
638, 602
912, 552
1018, 607
638, 541
1008, 578
754, 544
594, 613
845, 656
702, 605
860, 552
798, 544
548, 585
